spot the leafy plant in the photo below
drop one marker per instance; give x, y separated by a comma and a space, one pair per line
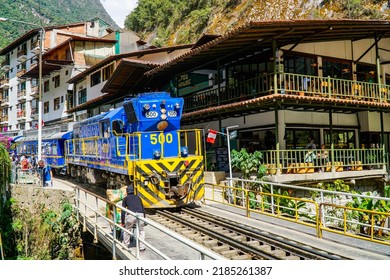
370, 204
248, 163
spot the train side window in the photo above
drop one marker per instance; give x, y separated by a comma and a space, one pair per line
104, 127
54, 148
117, 127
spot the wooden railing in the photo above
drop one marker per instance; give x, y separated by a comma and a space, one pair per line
22, 93
287, 83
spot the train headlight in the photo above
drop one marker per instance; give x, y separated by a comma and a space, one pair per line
156, 154
177, 105
184, 151
163, 110
146, 107
151, 114
172, 114
163, 117
162, 125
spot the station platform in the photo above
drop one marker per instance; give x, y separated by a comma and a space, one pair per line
348, 247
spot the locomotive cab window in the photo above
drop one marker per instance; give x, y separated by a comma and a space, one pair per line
117, 127
104, 129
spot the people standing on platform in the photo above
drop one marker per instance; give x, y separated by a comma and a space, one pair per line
310, 156
133, 203
323, 156
45, 173
34, 161
311, 144
25, 164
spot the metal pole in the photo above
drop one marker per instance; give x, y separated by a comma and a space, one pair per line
230, 160
41, 38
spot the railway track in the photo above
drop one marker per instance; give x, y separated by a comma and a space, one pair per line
234, 240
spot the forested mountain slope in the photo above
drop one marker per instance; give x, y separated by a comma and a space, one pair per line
47, 12
169, 22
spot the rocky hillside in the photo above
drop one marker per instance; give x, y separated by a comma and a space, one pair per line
169, 22
47, 12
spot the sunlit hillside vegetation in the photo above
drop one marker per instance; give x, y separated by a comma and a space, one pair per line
46, 12
169, 22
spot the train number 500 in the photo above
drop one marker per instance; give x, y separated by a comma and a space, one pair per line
161, 138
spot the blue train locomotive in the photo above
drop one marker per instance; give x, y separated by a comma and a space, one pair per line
140, 142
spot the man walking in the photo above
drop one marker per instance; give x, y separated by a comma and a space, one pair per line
134, 204
45, 174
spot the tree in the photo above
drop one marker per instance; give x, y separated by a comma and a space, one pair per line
5, 179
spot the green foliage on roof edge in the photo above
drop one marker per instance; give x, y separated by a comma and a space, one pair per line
172, 22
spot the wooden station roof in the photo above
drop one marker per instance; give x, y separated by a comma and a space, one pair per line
258, 36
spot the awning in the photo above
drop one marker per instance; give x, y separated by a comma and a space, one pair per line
48, 67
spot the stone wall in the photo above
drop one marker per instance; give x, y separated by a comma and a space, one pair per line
29, 196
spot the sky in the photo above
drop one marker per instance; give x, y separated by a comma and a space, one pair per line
119, 9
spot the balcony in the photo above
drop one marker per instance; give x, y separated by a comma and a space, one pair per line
22, 95
296, 165
21, 116
35, 47
4, 120
22, 55
5, 102
21, 73
34, 113
289, 84
5, 66
4, 83
35, 91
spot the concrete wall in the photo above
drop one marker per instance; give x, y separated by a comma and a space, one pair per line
30, 196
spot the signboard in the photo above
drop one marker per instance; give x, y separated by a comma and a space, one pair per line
188, 83
222, 159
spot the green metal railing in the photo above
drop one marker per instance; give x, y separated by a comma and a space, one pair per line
332, 160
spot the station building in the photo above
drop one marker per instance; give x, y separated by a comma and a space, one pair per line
281, 82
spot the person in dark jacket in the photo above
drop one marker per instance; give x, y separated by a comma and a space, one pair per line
134, 204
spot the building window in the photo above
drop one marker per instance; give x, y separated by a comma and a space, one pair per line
95, 79
46, 86
107, 71
57, 81
46, 107
62, 99
82, 96
56, 103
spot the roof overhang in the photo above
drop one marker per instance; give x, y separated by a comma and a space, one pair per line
282, 102
48, 67
128, 76
259, 36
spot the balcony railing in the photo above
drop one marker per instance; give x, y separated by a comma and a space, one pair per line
4, 83
5, 65
20, 73
21, 114
22, 55
331, 160
4, 119
4, 100
288, 83
22, 94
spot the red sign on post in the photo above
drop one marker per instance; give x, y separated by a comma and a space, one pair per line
211, 136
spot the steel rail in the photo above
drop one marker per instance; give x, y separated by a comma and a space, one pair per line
278, 241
